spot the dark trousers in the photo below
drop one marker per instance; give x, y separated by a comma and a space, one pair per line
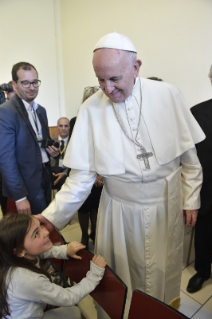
203, 244
43, 197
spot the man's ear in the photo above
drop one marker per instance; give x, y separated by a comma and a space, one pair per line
14, 85
137, 65
21, 254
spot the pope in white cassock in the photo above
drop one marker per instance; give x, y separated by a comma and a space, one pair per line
140, 136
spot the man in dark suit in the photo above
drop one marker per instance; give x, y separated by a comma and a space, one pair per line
203, 228
60, 172
3, 200
24, 163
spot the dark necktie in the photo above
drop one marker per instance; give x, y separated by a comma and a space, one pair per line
61, 145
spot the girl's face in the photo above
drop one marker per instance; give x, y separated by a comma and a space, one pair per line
36, 241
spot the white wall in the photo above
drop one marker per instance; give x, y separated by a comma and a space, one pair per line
173, 39
28, 33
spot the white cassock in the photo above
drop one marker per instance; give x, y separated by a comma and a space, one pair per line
140, 220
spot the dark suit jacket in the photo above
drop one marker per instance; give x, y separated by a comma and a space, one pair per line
203, 114
20, 155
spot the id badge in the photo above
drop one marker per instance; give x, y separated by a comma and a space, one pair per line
60, 162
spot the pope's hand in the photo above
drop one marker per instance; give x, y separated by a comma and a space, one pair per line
44, 222
191, 217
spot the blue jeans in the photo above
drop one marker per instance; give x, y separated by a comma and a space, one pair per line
43, 197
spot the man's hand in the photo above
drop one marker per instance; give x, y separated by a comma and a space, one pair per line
23, 207
191, 217
99, 181
45, 222
73, 248
59, 176
53, 151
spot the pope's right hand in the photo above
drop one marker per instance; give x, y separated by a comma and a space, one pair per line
45, 222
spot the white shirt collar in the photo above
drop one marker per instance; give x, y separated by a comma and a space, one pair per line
28, 106
65, 139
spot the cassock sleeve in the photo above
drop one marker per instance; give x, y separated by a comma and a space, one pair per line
72, 195
191, 179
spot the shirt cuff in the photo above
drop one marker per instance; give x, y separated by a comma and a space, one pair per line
19, 200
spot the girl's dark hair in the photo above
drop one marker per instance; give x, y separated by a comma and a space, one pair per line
13, 229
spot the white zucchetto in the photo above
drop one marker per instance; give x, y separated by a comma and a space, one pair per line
115, 40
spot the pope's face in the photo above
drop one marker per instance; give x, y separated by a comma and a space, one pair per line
116, 71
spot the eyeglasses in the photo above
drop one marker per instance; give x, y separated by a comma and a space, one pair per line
27, 84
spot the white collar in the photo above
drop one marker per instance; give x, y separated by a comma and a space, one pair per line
28, 106
64, 139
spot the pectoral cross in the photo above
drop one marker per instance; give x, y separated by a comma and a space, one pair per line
144, 157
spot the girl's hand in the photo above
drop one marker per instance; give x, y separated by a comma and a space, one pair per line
99, 261
73, 248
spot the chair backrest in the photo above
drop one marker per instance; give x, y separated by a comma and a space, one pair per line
11, 207
147, 307
110, 294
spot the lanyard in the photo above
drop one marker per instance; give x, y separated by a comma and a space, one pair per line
61, 152
35, 121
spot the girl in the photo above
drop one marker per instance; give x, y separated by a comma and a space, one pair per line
25, 288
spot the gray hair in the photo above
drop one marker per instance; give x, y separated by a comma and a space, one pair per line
88, 91
63, 117
131, 56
